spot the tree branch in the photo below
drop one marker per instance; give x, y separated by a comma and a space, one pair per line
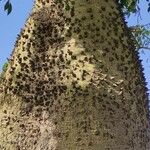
147, 48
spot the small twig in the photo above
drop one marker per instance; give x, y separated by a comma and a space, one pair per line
148, 48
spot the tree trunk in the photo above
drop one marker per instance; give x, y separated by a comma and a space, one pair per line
74, 81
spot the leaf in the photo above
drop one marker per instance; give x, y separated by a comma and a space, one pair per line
8, 7
5, 66
148, 9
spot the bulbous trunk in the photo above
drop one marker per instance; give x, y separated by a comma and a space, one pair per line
74, 82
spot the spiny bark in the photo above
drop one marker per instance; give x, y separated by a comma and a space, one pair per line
74, 82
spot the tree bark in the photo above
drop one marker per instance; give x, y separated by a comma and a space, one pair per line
74, 81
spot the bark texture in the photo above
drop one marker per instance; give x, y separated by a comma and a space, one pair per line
74, 81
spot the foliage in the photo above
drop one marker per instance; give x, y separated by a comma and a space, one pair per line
132, 6
129, 6
8, 7
141, 34
4, 69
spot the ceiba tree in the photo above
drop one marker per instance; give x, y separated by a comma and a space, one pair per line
74, 81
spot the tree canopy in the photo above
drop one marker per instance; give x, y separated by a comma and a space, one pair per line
132, 6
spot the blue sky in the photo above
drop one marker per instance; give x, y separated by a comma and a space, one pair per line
144, 54
11, 25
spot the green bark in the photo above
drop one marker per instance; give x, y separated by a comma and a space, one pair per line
74, 82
